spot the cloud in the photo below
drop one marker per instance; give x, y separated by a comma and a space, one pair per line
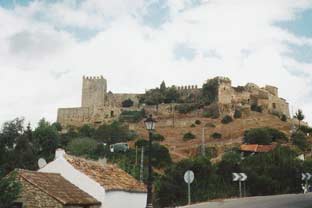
47, 47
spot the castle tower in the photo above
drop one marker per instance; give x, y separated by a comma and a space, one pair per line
93, 91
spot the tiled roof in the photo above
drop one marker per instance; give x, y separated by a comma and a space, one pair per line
109, 176
58, 187
257, 147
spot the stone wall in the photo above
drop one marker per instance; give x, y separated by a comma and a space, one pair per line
249, 94
33, 197
84, 115
116, 99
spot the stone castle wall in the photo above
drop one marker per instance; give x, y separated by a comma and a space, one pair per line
250, 94
98, 106
116, 99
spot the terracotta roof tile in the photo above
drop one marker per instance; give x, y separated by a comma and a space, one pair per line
257, 147
58, 187
109, 176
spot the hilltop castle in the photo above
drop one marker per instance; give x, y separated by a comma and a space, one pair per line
99, 106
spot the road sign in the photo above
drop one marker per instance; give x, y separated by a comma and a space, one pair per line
239, 176
306, 176
189, 176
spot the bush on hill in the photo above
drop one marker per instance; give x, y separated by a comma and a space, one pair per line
216, 135
227, 119
188, 136
127, 103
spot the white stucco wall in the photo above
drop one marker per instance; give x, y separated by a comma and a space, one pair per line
114, 199
61, 166
119, 199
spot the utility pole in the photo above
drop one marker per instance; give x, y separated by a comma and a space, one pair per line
203, 143
240, 188
172, 111
142, 166
136, 156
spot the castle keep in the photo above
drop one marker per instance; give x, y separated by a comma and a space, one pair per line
99, 106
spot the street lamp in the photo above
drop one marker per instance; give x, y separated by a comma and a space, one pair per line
150, 124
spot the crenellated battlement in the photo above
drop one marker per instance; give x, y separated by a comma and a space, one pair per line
93, 77
187, 87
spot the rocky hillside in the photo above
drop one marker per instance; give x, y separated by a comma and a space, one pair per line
232, 133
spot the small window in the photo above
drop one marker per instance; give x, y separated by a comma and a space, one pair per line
112, 113
274, 105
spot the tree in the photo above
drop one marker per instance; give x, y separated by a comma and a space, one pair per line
299, 115
127, 103
257, 136
112, 133
16, 149
82, 147
210, 91
299, 139
46, 139
9, 190
86, 131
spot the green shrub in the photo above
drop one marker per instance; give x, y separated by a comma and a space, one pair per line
264, 135
127, 103
141, 143
257, 136
255, 107
186, 108
305, 129
299, 139
237, 114
82, 146
197, 122
276, 134
193, 125
212, 111
158, 137
132, 116
227, 119
216, 135
284, 118
188, 136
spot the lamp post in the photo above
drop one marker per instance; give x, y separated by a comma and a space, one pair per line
150, 126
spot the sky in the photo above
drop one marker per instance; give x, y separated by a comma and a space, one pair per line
47, 46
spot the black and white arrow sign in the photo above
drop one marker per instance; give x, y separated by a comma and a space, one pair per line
306, 176
239, 176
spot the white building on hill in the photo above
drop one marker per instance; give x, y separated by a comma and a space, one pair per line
105, 182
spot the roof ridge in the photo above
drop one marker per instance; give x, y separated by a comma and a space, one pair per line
42, 189
58, 198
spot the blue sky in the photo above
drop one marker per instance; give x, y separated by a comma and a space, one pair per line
47, 46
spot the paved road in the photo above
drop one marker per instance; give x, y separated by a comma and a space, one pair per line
280, 201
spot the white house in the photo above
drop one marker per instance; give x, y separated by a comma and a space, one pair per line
107, 183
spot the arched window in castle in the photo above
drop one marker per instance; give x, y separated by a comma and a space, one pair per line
274, 105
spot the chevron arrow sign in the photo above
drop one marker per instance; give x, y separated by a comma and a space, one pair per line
306, 176
239, 176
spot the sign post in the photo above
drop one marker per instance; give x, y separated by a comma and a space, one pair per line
189, 178
306, 177
240, 177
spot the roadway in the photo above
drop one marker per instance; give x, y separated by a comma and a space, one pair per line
278, 201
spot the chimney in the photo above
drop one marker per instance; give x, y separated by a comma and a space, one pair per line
59, 153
